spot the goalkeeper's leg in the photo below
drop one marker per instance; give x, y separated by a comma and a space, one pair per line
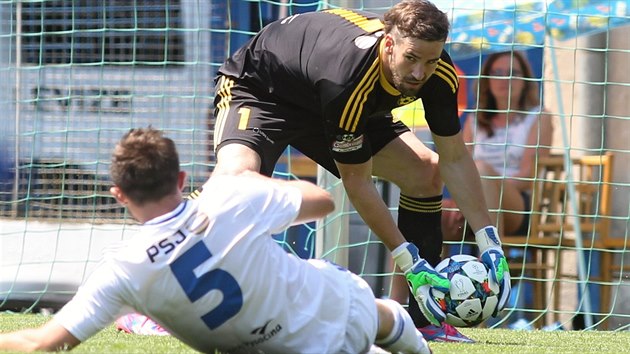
396, 330
420, 221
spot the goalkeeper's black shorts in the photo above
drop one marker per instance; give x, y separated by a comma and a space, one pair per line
255, 118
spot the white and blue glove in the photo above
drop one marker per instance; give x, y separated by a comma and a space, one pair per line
491, 254
421, 277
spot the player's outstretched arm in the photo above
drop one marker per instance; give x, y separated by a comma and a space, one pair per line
358, 184
316, 201
49, 337
459, 171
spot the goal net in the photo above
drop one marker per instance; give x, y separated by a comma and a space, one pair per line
75, 75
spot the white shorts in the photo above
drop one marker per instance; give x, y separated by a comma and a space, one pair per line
362, 318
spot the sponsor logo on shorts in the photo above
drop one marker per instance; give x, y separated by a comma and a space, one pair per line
262, 133
347, 143
262, 333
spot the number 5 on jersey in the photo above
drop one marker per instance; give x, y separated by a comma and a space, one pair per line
216, 279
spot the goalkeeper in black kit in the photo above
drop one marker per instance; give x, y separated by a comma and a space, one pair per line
325, 83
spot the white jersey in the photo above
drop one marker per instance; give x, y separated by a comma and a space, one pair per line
210, 273
505, 149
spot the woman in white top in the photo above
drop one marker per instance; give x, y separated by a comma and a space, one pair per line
509, 129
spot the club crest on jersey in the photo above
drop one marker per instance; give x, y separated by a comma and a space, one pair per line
404, 100
347, 143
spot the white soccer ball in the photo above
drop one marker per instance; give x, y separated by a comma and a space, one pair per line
473, 296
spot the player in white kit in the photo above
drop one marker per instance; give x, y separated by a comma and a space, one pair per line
209, 272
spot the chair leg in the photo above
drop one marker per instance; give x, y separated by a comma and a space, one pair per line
550, 273
556, 287
606, 261
539, 286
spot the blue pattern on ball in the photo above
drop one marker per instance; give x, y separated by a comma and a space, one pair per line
452, 266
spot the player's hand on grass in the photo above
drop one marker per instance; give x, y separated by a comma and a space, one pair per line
421, 278
491, 254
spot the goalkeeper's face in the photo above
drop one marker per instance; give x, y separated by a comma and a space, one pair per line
410, 62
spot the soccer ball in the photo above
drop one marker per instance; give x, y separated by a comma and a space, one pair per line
473, 296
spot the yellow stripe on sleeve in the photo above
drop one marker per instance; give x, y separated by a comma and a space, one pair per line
354, 106
363, 98
223, 107
368, 25
447, 73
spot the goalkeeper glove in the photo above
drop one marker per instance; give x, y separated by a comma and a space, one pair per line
421, 277
493, 257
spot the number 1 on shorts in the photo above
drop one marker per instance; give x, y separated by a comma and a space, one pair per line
242, 123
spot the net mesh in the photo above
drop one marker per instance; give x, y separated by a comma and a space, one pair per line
76, 75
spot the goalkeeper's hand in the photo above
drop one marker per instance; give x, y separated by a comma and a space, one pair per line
421, 277
491, 254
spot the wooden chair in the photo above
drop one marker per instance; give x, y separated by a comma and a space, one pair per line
593, 192
539, 248
552, 228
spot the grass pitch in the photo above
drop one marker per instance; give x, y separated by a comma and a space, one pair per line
489, 341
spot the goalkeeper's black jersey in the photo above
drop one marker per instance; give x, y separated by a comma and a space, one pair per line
326, 63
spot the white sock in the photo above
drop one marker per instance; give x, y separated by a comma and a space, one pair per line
404, 338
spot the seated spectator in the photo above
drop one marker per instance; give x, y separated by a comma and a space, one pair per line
507, 132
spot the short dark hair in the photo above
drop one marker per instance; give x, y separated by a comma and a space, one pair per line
145, 165
419, 19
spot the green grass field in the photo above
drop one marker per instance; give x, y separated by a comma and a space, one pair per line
489, 341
